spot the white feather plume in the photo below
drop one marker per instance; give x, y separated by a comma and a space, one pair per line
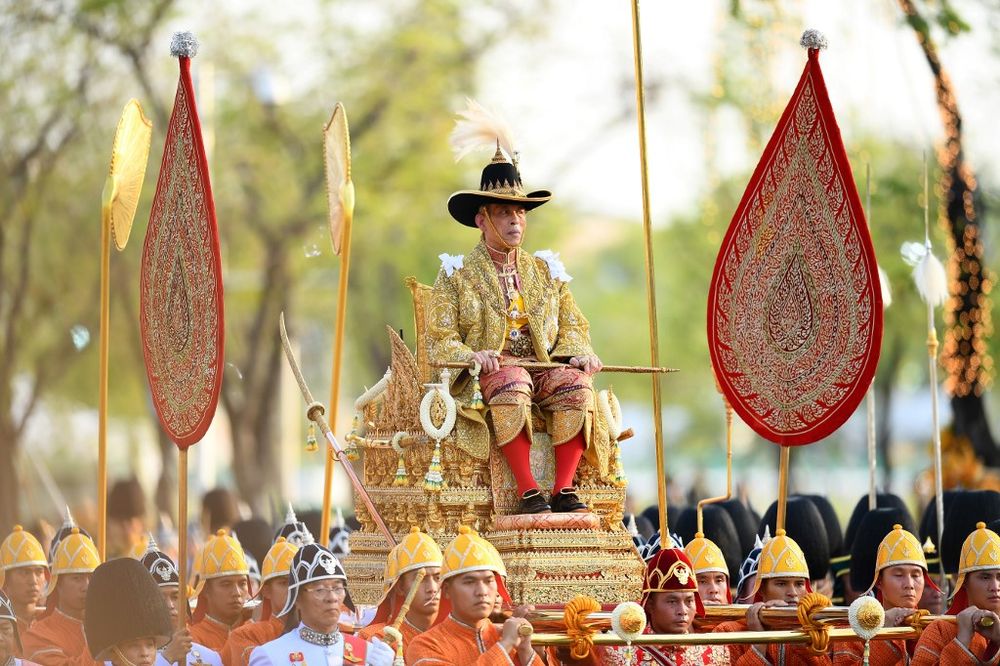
477, 128
883, 281
928, 272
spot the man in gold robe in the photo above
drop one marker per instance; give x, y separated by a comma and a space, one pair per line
499, 305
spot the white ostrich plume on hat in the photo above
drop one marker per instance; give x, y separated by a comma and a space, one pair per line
928, 272
479, 128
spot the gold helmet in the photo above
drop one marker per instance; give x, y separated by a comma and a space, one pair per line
415, 551
705, 556
470, 552
75, 554
20, 549
278, 561
781, 557
898, 547
980, 551
221, 556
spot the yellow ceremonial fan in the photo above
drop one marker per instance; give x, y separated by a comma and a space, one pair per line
339, 186
128, 168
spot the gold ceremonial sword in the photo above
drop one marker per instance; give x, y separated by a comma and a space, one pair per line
314, 412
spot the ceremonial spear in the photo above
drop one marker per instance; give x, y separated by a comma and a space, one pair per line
932, 283
314, 412
120, 198
340, 206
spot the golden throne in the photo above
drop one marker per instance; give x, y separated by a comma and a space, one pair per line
549, 558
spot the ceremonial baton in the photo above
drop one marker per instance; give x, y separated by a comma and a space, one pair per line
314, 412
549, 365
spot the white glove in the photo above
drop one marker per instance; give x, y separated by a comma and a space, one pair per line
379, 654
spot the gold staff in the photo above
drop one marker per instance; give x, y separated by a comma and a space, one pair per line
315, 411
120, 198
647, 228
729, 466
340, 203
548, 365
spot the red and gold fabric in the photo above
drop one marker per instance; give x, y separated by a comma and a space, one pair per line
180, 291
670, 570
939, 644
881, 653
452, 643
795, 306
243, 639
57, 640
467, 312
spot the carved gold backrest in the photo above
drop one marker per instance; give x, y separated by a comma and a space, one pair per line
421, 294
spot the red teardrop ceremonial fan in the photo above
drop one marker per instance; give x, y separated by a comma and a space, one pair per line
795, 307
181, 290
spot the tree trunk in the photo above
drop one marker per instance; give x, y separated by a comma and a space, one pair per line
968, 309
10, 498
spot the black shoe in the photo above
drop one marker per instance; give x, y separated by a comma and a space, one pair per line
533, 502
566, 501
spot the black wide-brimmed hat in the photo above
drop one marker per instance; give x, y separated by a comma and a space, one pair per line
124, 604
500, 183
804, 524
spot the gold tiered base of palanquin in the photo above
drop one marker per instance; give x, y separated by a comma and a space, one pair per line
549, 560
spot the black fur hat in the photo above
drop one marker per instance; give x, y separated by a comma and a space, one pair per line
834, 534
745, 523
123, 604
718, 528
967, 509
255, 537
652, 514
804, 524
882, 501
864, 551
126, 500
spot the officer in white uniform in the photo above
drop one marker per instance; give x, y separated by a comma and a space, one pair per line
317, 591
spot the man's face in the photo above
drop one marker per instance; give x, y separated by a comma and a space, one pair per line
712, 587
507, 228
472, 595
24, 585
171, 596
138, 652
984, 589
225, 597
789, 590
8, 645
901, 586
276, 591
672, 612
319, 604
73, 593
428, 596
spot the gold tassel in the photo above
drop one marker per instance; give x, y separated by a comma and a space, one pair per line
433, 481
401, 477
619, 479
311, 445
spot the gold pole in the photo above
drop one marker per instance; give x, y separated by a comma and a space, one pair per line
729, 472
647, 228
779, 523
338, 355
792, 636
102, 410
870, 396
182, 529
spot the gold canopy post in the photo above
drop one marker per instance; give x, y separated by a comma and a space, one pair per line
647, 228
